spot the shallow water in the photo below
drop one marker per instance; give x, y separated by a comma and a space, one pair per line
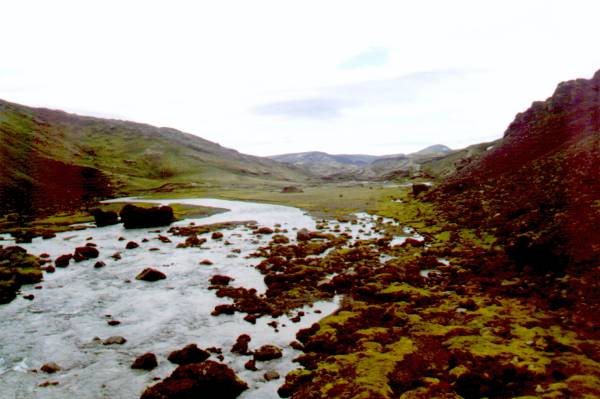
74, 304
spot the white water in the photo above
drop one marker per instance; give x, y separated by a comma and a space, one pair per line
70, 310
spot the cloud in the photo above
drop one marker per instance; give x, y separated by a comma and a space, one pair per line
330, 101
314, 108
373, 56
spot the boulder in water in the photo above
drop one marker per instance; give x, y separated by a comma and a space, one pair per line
150, 274
189, 354
136, 217
85, 253
147, 361
103, 218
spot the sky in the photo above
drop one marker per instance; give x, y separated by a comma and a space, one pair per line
272, 77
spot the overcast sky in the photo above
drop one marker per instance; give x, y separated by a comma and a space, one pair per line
269, 77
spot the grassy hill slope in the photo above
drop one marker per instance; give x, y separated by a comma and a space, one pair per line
53, 159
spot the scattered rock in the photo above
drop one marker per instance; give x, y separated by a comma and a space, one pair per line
99, 264
137, 217
113, 322
217, 235
150, 274
147, 361
267, 352
263, 230
303, 235
207, 380
47, 384
241, 345
116, 256
114, 340
187, 355
206, 262
49, 269
250, 365
85, 253
280, 239
29, 297
192, 241
63, 260
50, 368
271, 375
223, 309
163, 239
220, 280
132, 245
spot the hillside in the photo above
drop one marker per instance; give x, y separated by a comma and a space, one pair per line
541, 185
360, 166
53, 159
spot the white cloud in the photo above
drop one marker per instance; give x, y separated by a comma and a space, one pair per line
207, 67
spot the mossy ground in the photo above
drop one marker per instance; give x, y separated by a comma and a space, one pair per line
476, 328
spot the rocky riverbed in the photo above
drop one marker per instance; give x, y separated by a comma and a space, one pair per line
77, 308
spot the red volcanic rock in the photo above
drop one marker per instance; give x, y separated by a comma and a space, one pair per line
217, 235
150, 274
187, 355
303, 235
280, 239
206, 262
199, 380
163, 239
263, 230
63, 260
223, 309
85, 253
241, 344
50, 368
267, 352
147, 361
132, 245
220, 280
192, 241
250, 365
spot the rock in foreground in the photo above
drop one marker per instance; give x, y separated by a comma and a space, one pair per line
199, 380
136, 217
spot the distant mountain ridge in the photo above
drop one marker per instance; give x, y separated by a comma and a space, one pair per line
362, 166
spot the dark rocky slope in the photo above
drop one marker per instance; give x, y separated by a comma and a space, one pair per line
540, 188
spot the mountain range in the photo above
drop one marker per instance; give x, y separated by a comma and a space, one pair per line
361, 166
